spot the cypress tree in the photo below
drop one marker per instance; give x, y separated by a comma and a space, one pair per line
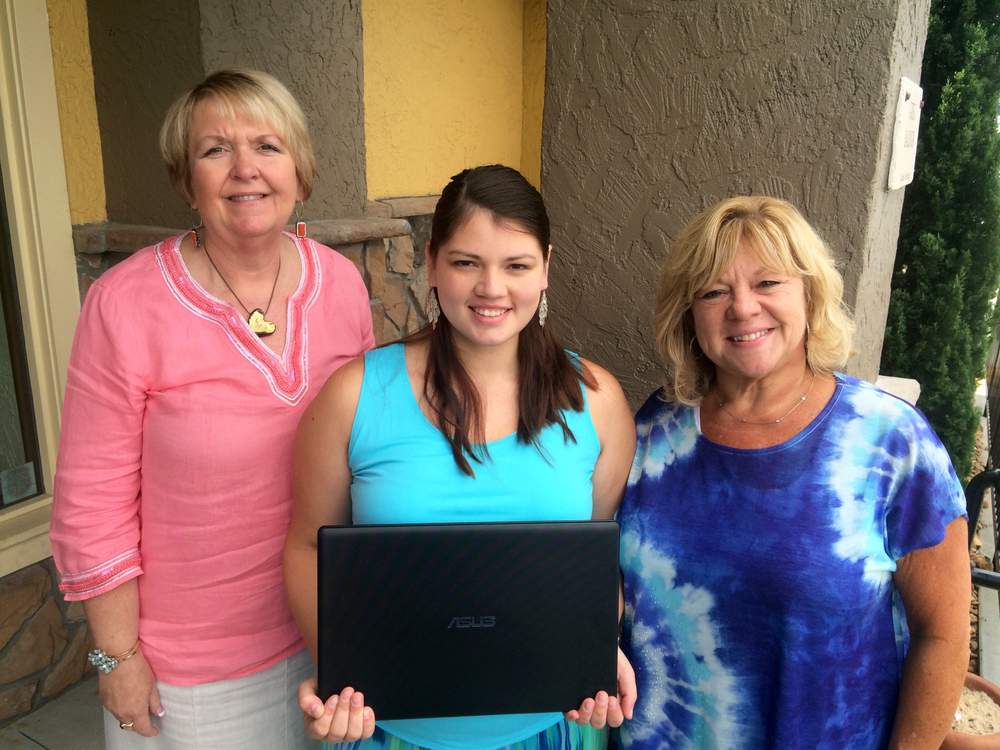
944, 285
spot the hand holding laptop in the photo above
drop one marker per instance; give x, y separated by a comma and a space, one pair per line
346, 718
343, 718
610, 709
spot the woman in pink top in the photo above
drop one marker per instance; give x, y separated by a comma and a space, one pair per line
192, 364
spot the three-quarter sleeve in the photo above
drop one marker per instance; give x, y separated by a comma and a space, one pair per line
95, 527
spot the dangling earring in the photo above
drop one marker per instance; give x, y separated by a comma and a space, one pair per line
197, 229
300, 225
543, 309
433, 308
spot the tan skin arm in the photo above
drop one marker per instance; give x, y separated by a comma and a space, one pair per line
321, 488
615, 428
616, 431
128, 691
935, 586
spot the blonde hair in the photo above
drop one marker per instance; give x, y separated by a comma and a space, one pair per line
707, 247
238, 92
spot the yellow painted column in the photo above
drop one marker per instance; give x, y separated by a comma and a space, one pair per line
81, 139
443, 90
533, 90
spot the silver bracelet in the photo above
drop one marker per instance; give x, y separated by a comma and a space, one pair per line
105, 663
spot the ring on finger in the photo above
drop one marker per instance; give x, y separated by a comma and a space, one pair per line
126, 725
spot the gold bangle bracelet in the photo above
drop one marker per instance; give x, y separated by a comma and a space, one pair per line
128, 654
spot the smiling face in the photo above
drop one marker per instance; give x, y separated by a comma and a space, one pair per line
751, 322
489, 278
243, 178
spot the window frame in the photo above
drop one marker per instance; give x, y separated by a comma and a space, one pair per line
41, 237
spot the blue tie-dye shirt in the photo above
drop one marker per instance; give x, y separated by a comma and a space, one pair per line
760, 610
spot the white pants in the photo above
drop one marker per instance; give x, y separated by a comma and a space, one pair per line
256, 712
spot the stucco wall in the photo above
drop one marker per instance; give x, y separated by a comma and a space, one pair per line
81, 139
871, 292
654, 111
144, 53
533, 90
314, 48
442, 90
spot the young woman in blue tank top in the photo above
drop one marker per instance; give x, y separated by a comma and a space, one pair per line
480, 416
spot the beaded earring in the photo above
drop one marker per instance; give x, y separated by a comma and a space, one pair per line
543, 309
433, 308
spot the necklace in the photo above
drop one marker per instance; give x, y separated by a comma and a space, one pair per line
256, 318
779, 420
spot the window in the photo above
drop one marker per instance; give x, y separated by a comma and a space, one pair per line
20, 469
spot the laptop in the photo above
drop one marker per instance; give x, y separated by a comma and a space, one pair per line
469, 619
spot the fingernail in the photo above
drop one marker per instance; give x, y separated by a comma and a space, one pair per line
369, 714
331, 702
357, 700
161, 713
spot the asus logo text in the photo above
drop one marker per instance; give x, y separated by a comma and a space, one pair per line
483, 621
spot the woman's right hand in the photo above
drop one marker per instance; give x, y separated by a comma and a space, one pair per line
129, 693
343, 718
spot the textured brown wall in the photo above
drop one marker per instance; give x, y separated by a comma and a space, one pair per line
147, 51
144, 53
654, 111
314, 48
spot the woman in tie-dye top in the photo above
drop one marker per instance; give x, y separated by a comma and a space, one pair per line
793, 540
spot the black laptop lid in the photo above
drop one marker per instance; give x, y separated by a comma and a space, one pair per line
469, 619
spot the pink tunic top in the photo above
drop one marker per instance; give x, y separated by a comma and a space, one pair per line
176, 450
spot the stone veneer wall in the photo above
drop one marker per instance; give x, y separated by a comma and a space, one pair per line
386, 247
43, 641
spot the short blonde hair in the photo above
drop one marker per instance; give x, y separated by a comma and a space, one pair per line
707, 247
238, 92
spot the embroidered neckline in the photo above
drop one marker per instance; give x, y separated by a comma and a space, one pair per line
287, 374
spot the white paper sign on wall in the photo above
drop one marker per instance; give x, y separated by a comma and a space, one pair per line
904, 134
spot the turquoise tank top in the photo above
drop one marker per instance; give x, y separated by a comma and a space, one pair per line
403, 472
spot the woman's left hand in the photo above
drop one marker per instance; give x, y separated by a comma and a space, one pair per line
610, 710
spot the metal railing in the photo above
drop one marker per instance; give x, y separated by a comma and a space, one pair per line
993, 400
975, 492
990, 478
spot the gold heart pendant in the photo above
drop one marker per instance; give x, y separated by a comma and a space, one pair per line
259, 324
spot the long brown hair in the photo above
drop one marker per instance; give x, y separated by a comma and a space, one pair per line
548, 381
